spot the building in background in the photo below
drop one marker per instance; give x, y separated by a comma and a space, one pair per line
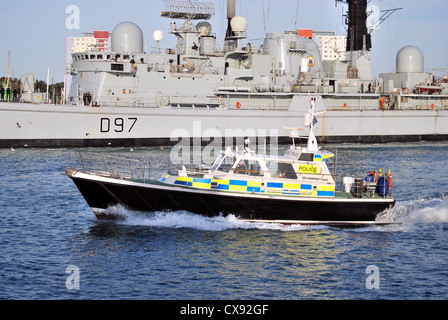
331, 46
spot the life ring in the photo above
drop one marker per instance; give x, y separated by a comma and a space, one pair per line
345, 105
433, 106
311, 61
238, 105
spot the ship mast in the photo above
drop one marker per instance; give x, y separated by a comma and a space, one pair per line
358, 34
358, 37
231, 13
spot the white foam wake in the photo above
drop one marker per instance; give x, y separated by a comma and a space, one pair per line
412, 212
185, 219
420, 211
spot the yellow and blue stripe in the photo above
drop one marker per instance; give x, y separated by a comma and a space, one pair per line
255, 186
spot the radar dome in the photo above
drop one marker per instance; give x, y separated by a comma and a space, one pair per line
410, 59
157, 36
204, 28
238, 24
127, 37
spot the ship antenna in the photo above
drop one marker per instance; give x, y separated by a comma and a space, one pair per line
297, 14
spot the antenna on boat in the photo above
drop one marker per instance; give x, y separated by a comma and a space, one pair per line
309, 121
293, 134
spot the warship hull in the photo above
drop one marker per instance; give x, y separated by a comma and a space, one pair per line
79, 126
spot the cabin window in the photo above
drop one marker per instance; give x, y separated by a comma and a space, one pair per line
227, 164
281, 170
306, 157
249, 167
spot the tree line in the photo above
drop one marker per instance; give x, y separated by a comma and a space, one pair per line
55, 90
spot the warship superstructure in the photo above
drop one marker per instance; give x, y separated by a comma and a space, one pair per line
126, 97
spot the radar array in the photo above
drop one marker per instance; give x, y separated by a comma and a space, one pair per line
188, 10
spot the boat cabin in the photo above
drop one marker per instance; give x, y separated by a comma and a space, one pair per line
298, 172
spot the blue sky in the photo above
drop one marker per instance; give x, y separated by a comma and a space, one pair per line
35, 31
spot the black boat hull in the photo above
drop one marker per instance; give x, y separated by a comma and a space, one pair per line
101, 194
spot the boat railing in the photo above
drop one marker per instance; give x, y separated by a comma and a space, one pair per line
364, 187
115, 166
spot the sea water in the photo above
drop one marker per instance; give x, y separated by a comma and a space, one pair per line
53, 247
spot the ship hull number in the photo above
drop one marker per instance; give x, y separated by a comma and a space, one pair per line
117, 124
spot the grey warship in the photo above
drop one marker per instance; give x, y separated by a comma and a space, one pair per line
127, 97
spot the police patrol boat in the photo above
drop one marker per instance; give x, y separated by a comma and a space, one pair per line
296, 188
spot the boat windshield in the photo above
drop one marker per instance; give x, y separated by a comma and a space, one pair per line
217, 162
226, 164
281, 170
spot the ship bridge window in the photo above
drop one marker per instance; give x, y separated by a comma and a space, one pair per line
249, 167
306, 157
227, 164
92, 56
281, 170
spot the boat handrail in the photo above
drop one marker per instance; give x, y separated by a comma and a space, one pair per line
115, 166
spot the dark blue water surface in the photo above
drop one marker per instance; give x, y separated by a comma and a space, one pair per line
46, 227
